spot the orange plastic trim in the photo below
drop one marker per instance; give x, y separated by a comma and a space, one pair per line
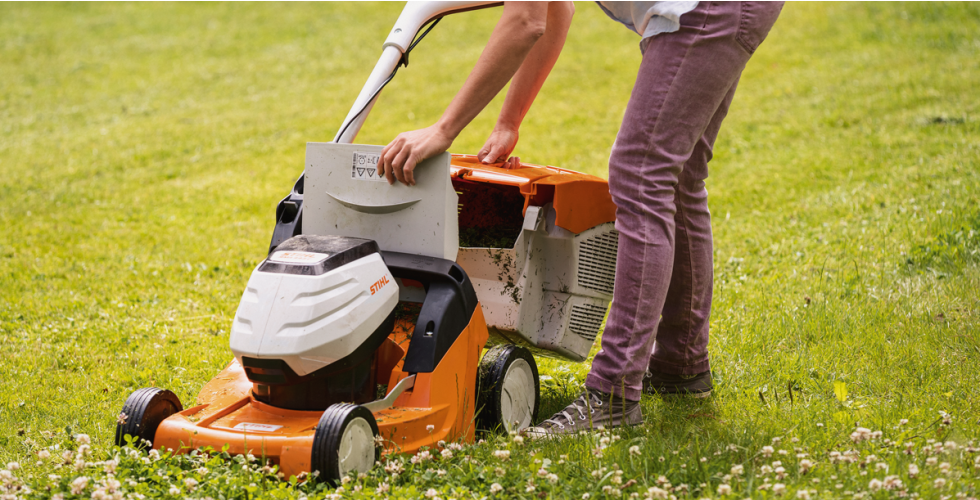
581, 201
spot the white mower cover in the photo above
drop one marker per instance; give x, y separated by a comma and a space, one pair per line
311, 321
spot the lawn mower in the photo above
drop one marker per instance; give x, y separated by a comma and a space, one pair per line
362, 331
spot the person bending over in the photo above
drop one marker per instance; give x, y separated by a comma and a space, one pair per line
692, 55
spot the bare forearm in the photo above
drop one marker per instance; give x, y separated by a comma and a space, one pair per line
536, 67
520, 27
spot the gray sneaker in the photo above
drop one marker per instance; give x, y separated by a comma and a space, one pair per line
666, 384
589, 411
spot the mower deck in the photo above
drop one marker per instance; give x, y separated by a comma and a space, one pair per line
228, 415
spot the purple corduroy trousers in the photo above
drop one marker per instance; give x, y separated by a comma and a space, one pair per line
657, 169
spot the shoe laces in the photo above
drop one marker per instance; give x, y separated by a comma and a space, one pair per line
586, 401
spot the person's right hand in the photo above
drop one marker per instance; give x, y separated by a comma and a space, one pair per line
499, 146
398, 159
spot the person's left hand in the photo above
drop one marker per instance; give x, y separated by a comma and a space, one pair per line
399, 158
499, 146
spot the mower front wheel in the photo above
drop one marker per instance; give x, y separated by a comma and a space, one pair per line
509, 390
344, 442
142, 413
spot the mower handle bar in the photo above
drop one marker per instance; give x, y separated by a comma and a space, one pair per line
413, 17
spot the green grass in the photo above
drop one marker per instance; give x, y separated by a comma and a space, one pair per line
143, 148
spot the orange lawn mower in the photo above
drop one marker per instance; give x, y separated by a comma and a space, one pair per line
361, 333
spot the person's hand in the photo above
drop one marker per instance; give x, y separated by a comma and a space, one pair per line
499, 146
399, 158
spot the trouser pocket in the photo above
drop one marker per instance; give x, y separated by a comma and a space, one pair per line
755, 21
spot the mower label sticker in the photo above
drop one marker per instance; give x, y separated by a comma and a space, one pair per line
365, 167
378, 284
245, 426
287, 257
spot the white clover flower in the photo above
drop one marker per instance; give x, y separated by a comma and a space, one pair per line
83, 439
779, 488
724, 489
939, 483
892, 483
704, 459
803, 495
586, 496
44, 454
767, 451
876, 435
881, 466
430, 428
431, 493
496, 488
78, 485
875, 485
12, 466
529, 488
382, 488
446, 453
738, 470
805, 466
552, 478
655, 492
932, 461
518, 440
604, 441
422, 457
394, 467
190, 484
502, 455
861, 434
913, 470
634, 451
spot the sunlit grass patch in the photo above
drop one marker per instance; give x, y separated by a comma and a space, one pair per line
143, 148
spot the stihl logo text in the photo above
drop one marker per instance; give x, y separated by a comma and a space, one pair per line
378, 284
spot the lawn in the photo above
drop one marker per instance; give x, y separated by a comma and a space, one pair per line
143, 148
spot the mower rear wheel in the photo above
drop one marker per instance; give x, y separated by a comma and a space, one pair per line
142, 413
344, 442
509, 391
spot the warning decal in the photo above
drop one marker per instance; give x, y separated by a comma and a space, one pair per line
289, 257
248, 427
365, 167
